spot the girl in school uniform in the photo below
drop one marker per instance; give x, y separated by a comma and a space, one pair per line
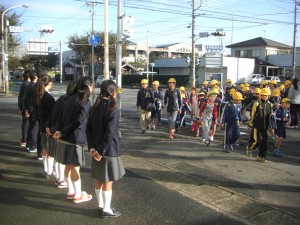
45, 103
104, 144
72, 136
55, 125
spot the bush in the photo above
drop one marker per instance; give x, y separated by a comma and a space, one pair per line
135, 80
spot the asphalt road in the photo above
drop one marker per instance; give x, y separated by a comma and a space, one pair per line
171, 182
28, 198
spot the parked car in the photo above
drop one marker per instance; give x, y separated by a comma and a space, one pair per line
100, 79
269, 78
254, 79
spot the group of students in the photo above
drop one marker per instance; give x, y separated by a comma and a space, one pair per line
264, 108
65, 126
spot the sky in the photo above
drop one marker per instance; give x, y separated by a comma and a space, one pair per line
166, 20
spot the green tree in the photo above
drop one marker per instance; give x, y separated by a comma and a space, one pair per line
13, 63
34, 61
80, 45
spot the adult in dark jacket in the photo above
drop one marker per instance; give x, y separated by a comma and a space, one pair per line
73, 137
29, 101
144, 103
45, 103
31, 111
21, 106
102, 133
173, 102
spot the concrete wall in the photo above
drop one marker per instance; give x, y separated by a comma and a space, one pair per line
238, 68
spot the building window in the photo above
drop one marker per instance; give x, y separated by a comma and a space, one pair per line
256, 53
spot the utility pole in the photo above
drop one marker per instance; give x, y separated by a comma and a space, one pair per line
93, 47
294, 40
119, 54
106, 44
193, 80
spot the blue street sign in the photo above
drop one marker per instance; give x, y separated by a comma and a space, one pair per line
94, 39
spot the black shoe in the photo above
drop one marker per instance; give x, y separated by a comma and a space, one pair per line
143, 132
100, 210
110, 215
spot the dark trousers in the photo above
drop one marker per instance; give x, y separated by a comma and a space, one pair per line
259, 139
34, 136
295, 114
232, 133
25, 126
181, 119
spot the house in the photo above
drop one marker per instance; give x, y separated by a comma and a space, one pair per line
261, 49
230, 68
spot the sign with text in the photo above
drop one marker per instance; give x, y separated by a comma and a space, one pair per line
16, 29
213, 60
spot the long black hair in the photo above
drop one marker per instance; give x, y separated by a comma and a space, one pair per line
41, 84
72, 88
83, 89
295, 83
107, 90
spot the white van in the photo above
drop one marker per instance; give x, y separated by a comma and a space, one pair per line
145, 73
254, 79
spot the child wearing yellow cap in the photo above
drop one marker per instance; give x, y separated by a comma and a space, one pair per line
282, 116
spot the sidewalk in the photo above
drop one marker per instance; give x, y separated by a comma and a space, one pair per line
233, 184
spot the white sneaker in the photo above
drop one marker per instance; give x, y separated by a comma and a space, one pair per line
211, 138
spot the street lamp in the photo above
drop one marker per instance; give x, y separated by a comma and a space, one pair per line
147, 45
4, 72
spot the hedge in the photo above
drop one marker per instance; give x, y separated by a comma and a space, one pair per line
134, 80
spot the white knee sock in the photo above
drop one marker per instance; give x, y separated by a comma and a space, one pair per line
106, 201
70, 185
99, 197
61, 172
77, 186
45, 163
50, 162
56, 170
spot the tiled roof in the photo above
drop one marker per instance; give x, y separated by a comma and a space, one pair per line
259, 42
165, 45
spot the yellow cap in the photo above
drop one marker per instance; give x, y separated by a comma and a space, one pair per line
247, 85
183, 95
213, 82
276, 92
181, 88
228, 81
201, 93
263, 82
245, 88
232, 91
218, 82
281, 87
273, 82
242, 85
211, 93
287, 82
144, 81
171, 80
205, 82
257, 91
286, 100
237, 96
216, 90
155, 82
265, 91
